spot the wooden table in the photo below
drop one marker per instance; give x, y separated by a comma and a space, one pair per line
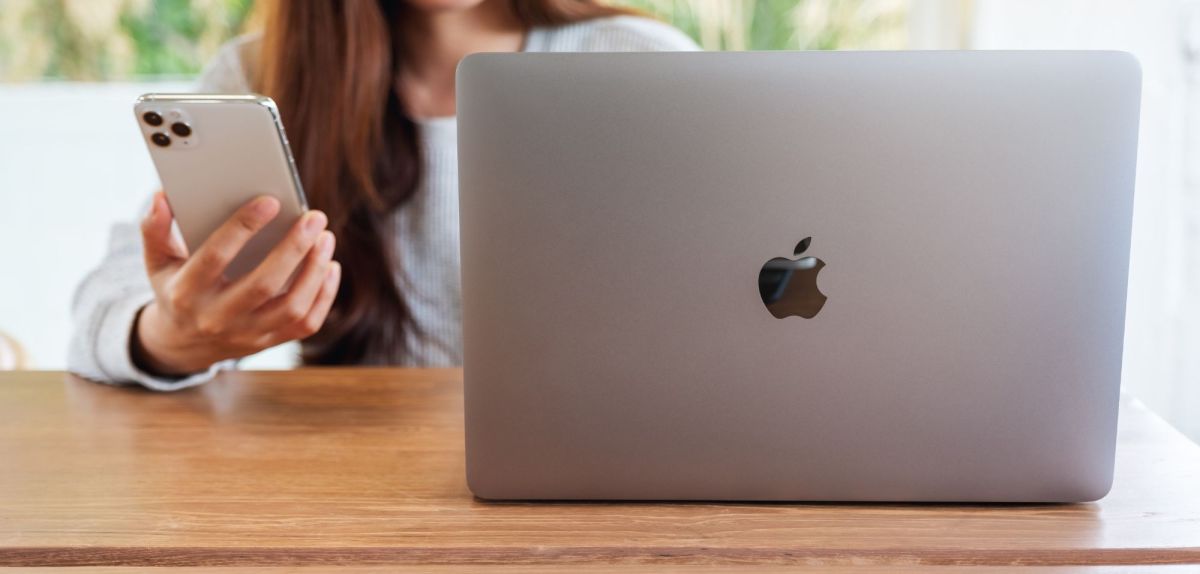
363, 469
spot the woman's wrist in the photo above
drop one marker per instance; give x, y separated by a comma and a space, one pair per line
152, 349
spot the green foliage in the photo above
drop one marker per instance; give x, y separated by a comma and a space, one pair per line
771, 28
785, 24
113, 39
122, 39
167, 36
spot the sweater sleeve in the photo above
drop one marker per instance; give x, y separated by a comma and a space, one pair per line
109, 298
635, 34
104, 308
613, 34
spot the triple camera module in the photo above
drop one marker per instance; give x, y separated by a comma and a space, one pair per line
179, 127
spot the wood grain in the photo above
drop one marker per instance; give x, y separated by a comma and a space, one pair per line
365, 467
612, 569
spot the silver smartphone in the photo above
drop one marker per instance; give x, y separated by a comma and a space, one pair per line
214, 153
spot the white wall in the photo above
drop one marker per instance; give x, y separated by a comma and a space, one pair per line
1162, 355
71, 162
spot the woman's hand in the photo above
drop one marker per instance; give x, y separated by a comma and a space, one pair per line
198, 317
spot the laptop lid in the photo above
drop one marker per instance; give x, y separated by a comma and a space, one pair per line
795, 276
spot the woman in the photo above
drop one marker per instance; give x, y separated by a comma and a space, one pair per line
366, 90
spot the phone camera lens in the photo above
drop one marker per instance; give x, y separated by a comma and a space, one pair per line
160, 139
181, 129
152, 118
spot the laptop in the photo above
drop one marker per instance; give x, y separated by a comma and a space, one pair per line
874, 276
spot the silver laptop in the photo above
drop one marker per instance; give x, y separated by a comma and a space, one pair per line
795, 276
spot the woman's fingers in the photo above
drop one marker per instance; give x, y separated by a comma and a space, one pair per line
159, 246
251, 310
270, 277
210, 261
294, 306
311, 323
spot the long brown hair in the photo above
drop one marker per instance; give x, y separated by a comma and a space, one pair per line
331, 66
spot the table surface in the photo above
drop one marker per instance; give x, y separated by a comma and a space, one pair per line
363, 469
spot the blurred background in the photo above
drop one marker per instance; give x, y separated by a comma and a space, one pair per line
72, 161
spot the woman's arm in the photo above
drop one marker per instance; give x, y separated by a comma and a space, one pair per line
104, 309
109, 303
193, 321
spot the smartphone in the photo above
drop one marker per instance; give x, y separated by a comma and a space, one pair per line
214, 153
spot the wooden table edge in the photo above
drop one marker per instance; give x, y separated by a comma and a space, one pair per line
673, 555
417, 553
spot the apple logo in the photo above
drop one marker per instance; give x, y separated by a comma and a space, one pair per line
789, 287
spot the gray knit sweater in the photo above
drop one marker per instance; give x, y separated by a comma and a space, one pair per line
426, 228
